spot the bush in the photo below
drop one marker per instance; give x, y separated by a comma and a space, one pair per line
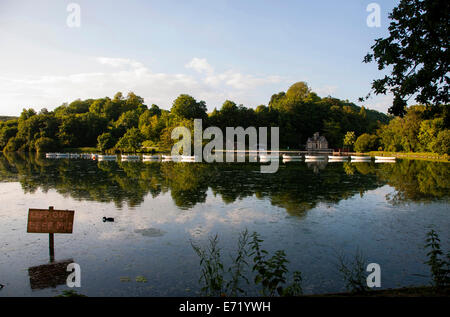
366, 142
131, 141
442, 143
44, 144
105, 141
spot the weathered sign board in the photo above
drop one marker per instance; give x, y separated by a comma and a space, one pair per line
50, 221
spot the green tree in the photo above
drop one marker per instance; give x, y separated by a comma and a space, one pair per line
442, 143
105, 141
128, 120
428, 132
131, 141
298, 91
155, 110
44, 144
366, 142
7, 131
349, 139
417, 52
69, 131
187, 107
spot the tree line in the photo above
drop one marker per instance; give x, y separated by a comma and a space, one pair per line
127, 124
421, 129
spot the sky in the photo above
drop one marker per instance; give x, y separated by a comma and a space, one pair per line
241, 50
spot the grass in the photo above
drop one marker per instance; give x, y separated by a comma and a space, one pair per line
413, 155
80, 150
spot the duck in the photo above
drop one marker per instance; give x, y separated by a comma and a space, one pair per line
1, 286
109, 219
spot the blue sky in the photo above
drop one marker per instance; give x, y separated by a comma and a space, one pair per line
214, 50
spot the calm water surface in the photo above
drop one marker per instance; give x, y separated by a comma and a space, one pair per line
312, 211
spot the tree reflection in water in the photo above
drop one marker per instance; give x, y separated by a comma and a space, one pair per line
296, 187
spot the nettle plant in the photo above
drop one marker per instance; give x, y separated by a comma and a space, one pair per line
439, 264
270, 272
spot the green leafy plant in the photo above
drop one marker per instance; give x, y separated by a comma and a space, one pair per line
212, 268
439, 266
237, 270
70, 293
270, 273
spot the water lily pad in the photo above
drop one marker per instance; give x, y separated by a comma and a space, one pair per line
141, 279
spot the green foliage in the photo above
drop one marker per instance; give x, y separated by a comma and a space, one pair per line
14, 144
298, 91
420, 130
439, 264
270, 273
349, 139
127, 120
299, 113
187, 107
442, 143
131, 141
237, 269
105, 141
366, 142
70, 293
212, 268
7, 130
213, 272
353, 272
44, 144
416, 51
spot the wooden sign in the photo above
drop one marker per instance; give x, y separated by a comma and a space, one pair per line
50, 221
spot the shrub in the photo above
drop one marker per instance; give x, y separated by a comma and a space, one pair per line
105, 141
366, 142
439, 264
44, 144
442, 143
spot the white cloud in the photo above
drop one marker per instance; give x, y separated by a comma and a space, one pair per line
326, 90
122, 74
119, 62
380, 103
200, 65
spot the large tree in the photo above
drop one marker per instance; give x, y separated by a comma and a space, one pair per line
416, 53
187, 107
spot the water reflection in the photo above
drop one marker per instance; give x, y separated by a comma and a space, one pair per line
49, 275
296, 187
192, 201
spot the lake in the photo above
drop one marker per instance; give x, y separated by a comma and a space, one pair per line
313, 211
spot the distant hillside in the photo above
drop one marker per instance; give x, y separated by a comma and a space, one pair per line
6, 118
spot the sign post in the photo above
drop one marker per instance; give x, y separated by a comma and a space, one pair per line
50, 221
